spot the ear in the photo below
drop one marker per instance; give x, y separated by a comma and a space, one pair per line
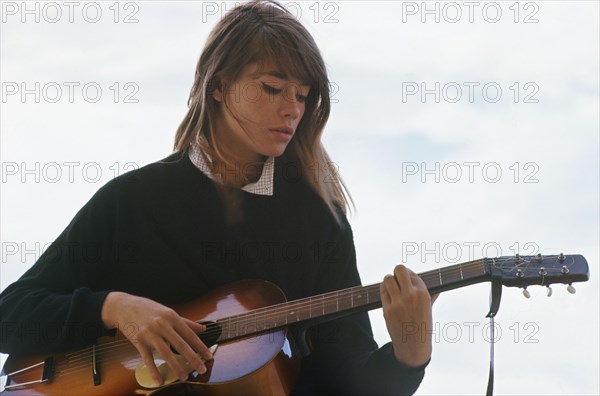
217, 92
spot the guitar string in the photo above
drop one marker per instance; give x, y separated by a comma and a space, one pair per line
84, 359
102, 359
341, 299
88, 365
252, 316
321, 300
107, 355
433, 275
108, 349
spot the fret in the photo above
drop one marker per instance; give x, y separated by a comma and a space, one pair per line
322, 305
304, 313
461, 272
359, 297
265, 320
242, 327
229, 326
300, 311
247, 326
239, 328
344, 299
440, 274
290, 314
256, 323
329, 305
272, 320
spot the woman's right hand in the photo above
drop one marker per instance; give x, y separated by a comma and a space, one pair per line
158, 328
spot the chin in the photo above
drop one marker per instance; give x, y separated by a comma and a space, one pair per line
275, 151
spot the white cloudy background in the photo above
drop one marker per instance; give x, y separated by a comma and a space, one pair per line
374, 51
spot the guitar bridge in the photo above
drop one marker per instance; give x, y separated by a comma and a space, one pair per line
47, 374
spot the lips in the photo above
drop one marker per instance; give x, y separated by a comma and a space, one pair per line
283, 129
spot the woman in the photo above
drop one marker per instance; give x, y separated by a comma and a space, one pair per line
249, 193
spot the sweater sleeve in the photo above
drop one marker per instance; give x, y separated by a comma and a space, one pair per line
345, 359
56, 305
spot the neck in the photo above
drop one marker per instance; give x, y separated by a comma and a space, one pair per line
240, 166
342, 302
238, 174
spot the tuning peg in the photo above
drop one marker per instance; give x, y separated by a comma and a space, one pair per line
549, 291
571, 289
526, 293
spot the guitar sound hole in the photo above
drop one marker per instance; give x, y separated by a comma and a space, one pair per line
212, 333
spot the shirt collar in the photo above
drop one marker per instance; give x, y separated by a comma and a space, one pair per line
263, 186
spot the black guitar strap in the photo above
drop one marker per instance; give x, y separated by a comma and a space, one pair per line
495, 296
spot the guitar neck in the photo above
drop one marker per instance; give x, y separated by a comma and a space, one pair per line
341, 302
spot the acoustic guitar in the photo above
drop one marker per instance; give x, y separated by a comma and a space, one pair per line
246, 330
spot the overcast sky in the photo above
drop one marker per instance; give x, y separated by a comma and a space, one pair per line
461, 129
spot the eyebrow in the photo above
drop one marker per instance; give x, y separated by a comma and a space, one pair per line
283, 76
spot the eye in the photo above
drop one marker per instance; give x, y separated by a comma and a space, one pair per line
274, 91
270, 90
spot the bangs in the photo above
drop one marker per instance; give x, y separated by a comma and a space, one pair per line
289, 59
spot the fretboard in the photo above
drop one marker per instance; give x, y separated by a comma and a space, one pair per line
341, 302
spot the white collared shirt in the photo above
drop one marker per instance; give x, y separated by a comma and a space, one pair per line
263, 186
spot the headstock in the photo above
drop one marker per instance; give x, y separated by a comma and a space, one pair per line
523, 271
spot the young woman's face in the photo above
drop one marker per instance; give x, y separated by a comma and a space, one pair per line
262, 113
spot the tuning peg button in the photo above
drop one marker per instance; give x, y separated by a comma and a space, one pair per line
526, 293
571, 289
549, 291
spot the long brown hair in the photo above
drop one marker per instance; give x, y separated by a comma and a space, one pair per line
256, 32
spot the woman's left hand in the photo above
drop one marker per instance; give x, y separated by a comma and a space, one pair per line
407, 312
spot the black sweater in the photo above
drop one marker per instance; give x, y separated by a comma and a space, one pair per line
161, 232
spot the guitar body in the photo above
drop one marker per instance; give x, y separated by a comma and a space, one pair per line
263, 364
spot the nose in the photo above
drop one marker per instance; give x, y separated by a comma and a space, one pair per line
291, 106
